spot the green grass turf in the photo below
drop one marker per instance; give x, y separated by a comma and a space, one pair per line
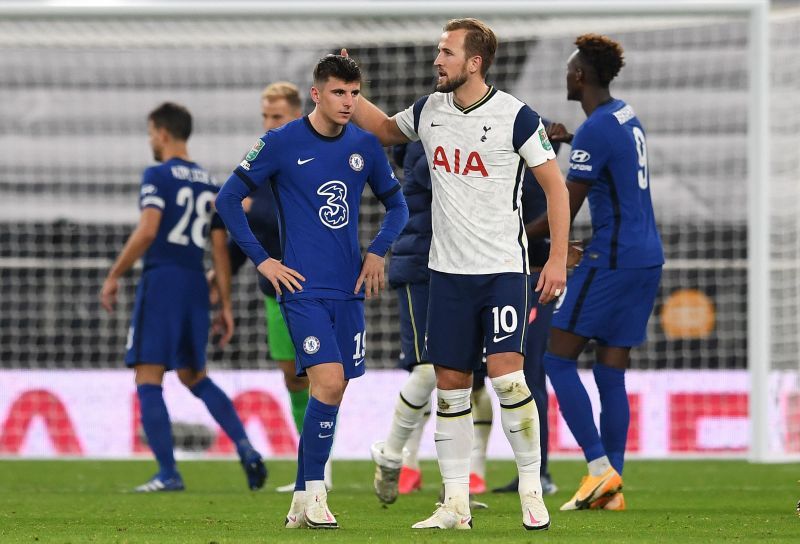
669, 501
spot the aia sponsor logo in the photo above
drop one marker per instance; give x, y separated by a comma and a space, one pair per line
457, 164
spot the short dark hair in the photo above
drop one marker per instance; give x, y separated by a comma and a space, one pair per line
603, 54
479, 41
344, 68
173, 117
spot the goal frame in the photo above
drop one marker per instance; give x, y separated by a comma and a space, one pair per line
759, 322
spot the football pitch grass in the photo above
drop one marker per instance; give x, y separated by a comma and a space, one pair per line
668, 501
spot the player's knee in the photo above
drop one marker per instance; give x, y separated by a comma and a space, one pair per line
190, 377
448, 378
329, 393
149, 374
500, 364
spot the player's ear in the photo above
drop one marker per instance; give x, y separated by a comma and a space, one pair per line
315, 95
475, 64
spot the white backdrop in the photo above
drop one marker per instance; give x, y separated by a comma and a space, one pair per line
93, 414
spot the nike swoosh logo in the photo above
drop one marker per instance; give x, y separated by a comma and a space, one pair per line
302, 162
435, 125
442, 439
500, 339
519, 430
533, 519
465, 520
293, 519
325, 435
357, 363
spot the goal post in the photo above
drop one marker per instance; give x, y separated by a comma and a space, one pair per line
82, 75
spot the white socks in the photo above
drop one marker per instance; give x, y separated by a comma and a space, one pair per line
454, 437
411, 451
410, 408
520, 420
482, 422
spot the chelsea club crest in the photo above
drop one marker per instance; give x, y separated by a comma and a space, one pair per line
356, 162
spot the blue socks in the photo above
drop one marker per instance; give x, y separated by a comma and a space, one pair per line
221, 409
300, 479
319, 426
574, 404
615, 415
157, 427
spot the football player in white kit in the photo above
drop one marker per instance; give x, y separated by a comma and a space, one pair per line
478, 140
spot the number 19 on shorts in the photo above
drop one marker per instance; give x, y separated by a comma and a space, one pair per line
361, 346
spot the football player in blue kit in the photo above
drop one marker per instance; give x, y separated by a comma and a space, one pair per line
610, 296
170, 322
318, 167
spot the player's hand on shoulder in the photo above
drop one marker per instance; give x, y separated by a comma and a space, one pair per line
108, 294
223, 326
280, 275
372, 276
557, 132
552, 280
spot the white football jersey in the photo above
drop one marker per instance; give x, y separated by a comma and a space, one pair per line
477, 156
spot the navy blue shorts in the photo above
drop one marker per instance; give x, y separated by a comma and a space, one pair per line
327, 331
170, 319
468, 312
611, 306
412, 301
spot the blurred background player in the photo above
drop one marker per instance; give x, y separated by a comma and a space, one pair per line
280, 103
479, 139
169, 326
319, 166
610, 296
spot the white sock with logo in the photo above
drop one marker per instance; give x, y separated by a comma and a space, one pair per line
520, 420
454, 436
409, 409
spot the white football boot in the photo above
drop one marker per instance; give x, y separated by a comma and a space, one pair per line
447, 516
296, 518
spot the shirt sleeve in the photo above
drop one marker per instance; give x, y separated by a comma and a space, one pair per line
589, 155
151, 193
408, 119
258, 166
530, 138
260, 163
386, 187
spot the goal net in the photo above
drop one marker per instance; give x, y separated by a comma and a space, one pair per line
77, 88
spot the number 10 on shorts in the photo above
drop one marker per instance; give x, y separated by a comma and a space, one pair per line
505, 319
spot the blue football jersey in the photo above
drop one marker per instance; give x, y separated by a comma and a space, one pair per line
318, 181
609, 151
185, 193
